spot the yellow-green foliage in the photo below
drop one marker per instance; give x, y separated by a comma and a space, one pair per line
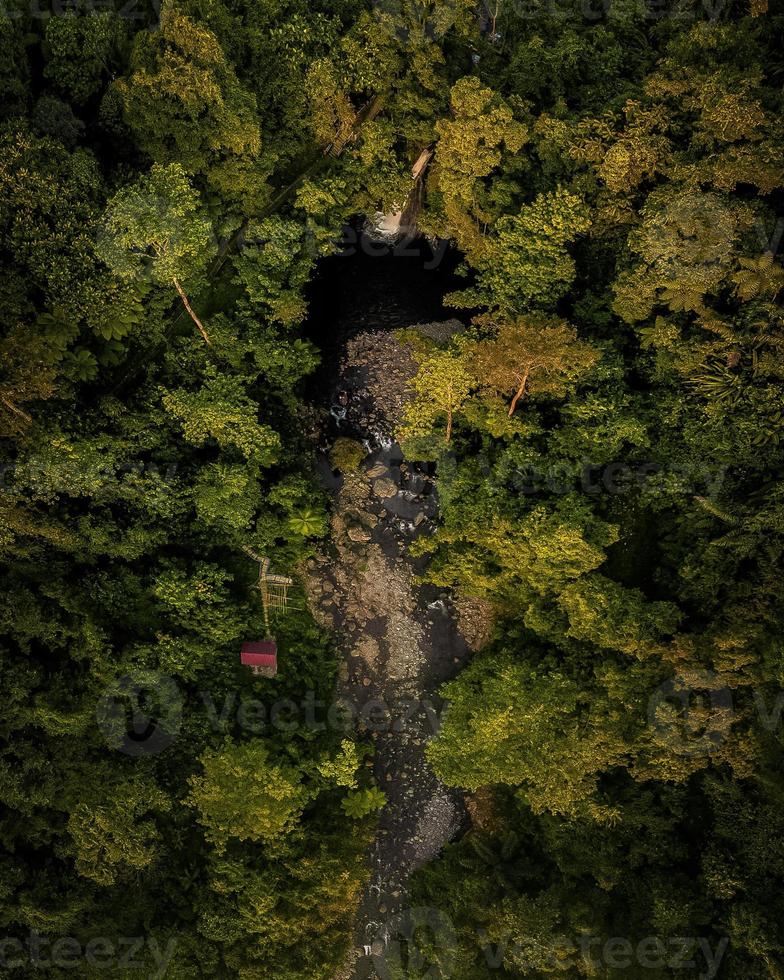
346, 454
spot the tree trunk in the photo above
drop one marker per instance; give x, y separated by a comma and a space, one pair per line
193, 316
17, 411
518, 394
448, 424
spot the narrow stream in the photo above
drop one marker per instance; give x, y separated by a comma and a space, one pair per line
400, 639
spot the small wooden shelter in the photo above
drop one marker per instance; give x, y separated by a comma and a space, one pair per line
261, 657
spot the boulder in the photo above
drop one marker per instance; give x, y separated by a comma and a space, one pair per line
385, 487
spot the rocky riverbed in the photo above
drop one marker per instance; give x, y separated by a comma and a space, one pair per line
401, 639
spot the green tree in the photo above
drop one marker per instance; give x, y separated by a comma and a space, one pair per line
81, 50
156, 228
274, 267
508, 723
609, 615
530, 355
363, 802
116, 837
442, 385
309, 523
186, 106
222, 410
247, 794
471, 145
525, 263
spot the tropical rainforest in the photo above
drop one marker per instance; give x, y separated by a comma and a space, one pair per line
608, 434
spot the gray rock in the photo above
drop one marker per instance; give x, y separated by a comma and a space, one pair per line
384, 487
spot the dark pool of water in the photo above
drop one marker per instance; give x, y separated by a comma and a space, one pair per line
375, 286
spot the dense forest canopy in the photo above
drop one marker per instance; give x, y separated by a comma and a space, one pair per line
609, 439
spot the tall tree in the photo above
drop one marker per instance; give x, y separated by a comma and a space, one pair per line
480, 132
531, 355
156, 227
442, 386
185, 104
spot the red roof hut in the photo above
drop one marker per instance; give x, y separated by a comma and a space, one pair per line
261, 657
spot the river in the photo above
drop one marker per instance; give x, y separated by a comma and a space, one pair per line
400, 639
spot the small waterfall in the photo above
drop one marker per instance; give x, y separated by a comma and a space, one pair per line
394, 225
